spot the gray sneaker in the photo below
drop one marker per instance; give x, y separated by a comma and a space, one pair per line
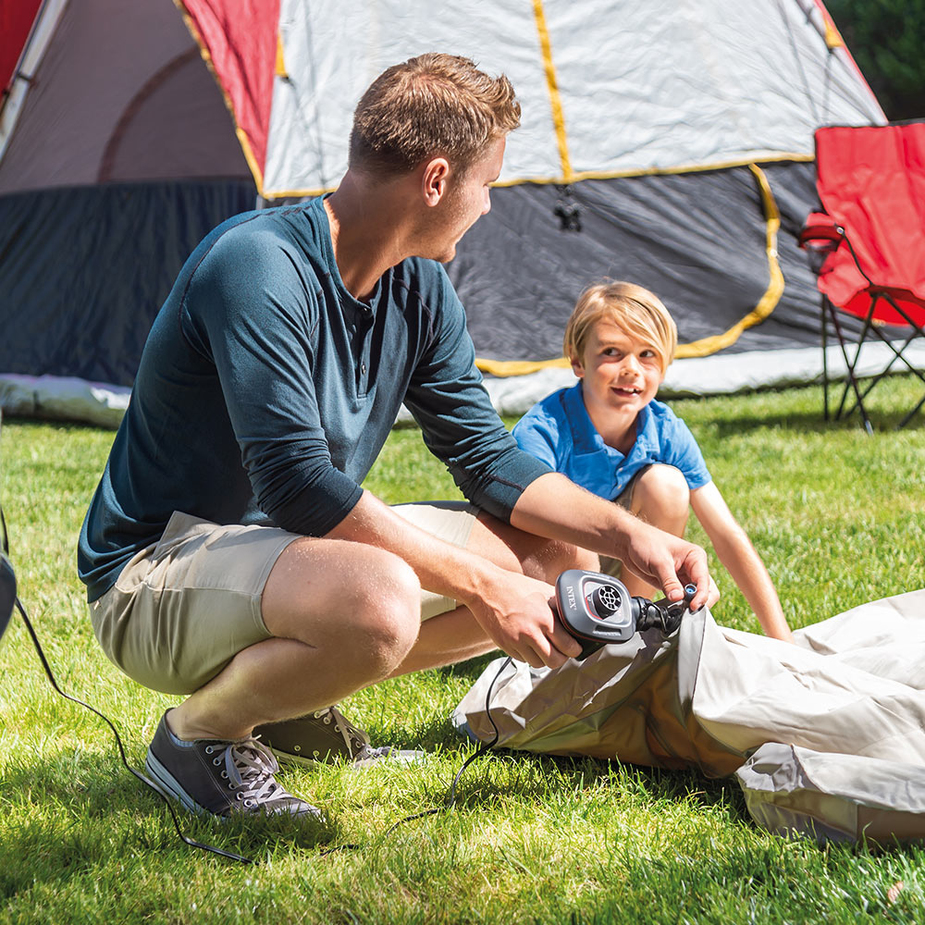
327, 735
220, 777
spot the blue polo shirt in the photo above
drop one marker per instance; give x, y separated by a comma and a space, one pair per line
559, 432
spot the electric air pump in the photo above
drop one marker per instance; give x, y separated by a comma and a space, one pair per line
598, 610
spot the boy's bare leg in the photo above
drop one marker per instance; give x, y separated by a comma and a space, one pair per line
456, 636
660, 497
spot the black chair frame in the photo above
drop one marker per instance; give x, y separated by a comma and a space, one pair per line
830, 313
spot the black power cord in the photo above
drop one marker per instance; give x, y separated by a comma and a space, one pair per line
4, 544
450, 800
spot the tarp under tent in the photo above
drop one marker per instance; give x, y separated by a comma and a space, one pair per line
669, 143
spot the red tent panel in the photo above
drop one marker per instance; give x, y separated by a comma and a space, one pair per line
16, 18
240, 38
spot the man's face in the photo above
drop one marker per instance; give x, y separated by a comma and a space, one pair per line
620, 372
467, 198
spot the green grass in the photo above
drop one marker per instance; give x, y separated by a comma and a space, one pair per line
838, 517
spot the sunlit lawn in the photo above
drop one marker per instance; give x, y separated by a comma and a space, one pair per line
839, 518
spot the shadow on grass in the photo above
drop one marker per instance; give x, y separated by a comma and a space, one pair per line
528, 776
886, 409
805, 422
801, 414
656, 785
91, 811
470, 670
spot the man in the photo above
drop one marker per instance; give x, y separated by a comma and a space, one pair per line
229, 551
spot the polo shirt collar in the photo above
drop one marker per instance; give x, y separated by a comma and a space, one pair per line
586, 439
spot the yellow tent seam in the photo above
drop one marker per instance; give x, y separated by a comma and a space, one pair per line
552, 85
280, 59
768, 302
503, 368
707, 345
614, 175
833, 37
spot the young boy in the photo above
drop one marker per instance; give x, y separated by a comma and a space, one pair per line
608, 434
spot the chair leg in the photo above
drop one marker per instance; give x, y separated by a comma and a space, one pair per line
852, 382
917, 331
911, 414
898, 354
824, 308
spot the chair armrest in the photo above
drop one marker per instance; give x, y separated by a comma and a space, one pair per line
821, 232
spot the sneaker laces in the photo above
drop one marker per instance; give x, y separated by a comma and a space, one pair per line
355, 740
250, 767
368, 753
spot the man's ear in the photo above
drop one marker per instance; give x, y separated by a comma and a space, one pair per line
434, 179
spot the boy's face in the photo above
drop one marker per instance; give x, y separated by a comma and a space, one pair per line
620, 372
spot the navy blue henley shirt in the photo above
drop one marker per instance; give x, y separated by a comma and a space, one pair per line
266, 391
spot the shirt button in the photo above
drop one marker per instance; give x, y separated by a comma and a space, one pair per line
363, 369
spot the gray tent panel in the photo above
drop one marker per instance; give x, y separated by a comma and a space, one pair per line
699, 241
84, 270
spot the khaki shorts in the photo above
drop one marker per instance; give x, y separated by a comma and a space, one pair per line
182, 609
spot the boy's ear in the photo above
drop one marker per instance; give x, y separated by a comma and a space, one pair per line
577, 367
434, 177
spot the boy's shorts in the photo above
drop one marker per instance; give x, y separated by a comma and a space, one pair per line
614, 567
182, 609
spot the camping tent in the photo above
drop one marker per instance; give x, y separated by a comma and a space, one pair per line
667, 142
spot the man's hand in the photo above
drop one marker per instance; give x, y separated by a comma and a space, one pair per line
556, 507
669, 562
517, 614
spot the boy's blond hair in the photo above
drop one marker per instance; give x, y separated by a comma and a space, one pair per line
434, 104
633, 309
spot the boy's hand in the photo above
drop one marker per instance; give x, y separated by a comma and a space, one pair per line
669, 562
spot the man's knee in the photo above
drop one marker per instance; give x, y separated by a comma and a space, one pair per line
347, 598
386, 608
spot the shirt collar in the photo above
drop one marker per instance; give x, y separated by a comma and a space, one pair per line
586, 439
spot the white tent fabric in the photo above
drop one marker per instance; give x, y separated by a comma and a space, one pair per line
603, 85
827, 737
103, 404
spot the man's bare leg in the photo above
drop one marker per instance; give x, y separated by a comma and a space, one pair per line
326, 599
343, 615
456, 636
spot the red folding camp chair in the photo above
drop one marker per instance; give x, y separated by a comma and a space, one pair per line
869, 247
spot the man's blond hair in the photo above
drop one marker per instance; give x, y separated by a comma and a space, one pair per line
432, 105
631, 308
